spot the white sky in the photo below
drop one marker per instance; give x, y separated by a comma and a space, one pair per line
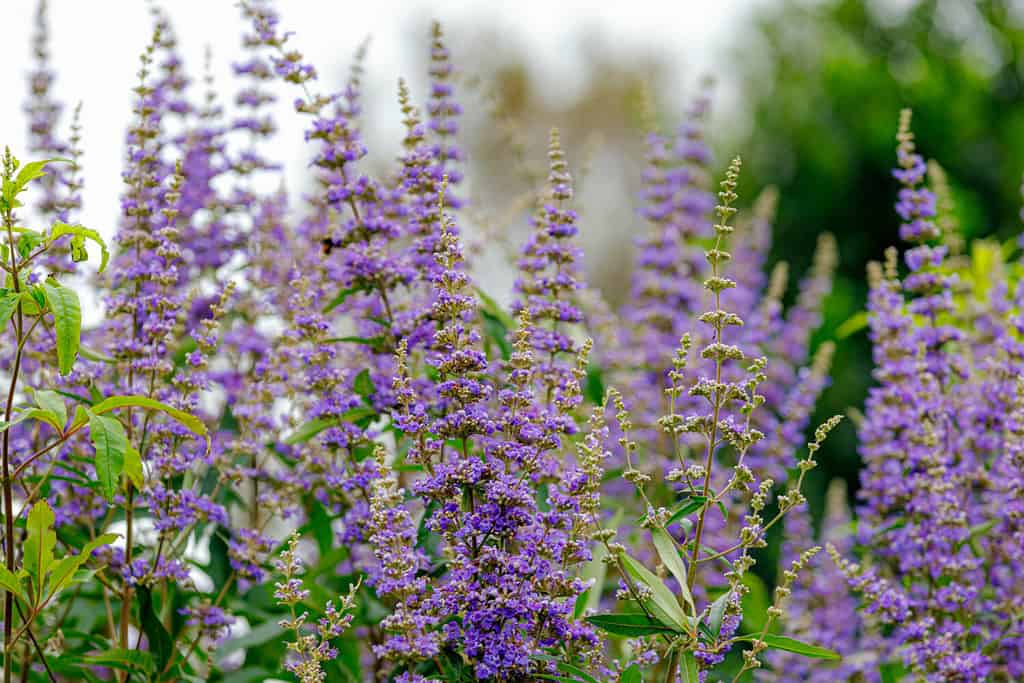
95, 46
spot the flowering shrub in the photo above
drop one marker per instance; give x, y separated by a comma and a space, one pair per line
301, 442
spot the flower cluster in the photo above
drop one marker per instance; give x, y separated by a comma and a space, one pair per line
553, 489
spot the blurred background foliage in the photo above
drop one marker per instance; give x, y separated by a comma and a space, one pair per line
810, 96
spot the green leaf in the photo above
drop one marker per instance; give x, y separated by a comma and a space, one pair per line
717, 613
79, 234
631, 675
688, 667
11, 583
308, 430
362, 384
30, 172
691, 504
852, 325
662, 603
631, 625
673, 562
190, 422
39, 544
8, 304
90, 354
33, 414
111, 444
160, 642
341, 297
123, 659
67, 317
63, 572
133, 467
755, 602
791, 645
51, 402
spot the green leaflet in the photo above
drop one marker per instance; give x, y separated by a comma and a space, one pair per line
52, 403
670, 557
792, 645
629, 625
39, 544
8, 303
111, 444
688, 668
662, 603
79, 234
67, 318
190, 422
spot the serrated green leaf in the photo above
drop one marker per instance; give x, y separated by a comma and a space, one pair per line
670, 557
662, 603
111, 442
791, 645
67, 318
40, 541
630, 625
79, 234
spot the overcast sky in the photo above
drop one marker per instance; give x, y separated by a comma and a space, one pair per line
95, 47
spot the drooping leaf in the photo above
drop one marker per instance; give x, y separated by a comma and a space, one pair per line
673, 562
662, 602
67, 318
111, 442
79, 234
190, 422
630, 625
791, 645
